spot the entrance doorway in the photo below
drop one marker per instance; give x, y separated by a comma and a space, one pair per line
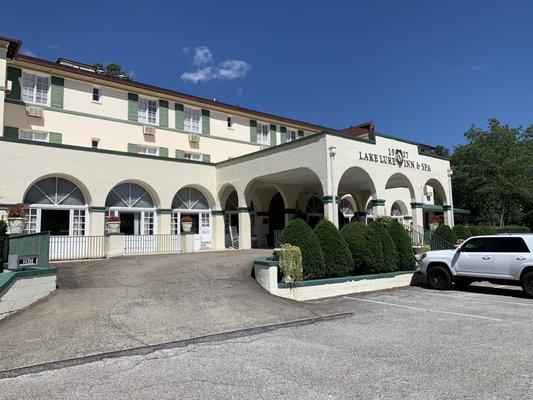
276, 218
127, 223
55, 221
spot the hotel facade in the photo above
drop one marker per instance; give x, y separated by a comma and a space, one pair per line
78, 146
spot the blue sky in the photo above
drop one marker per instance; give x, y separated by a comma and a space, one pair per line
421, 70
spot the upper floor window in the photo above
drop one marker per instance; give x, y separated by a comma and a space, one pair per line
151, 151
193, 156
263, 136
147, 111
291, 135
96, 94
230, 122
32, 135
35, 88
191, 119
95, 143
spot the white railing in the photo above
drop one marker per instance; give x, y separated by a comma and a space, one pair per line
77, 247
161, 243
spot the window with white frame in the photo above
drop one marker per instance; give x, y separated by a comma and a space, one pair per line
34, 136
291, 135
191, 120
78, 222
148, 223
263, 136
96, 94
147, 111
35, 88
32, 221
148, 150
193, 156
175, 223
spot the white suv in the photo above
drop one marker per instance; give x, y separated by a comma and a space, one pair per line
505, 258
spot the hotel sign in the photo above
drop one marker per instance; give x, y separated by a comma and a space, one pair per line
394, 157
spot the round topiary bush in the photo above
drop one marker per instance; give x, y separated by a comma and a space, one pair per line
364, 253
376, 231
447, 234
298, 233
462, 232
404, 246
337, 256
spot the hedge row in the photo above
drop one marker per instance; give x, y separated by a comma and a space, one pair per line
382, 246
464, 231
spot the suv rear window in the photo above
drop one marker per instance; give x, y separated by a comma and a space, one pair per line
512, 245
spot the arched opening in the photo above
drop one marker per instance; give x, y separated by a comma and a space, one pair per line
191, 213
276, 218
357, 183
369, 210
347, 210
231, 219
398, 211
314, 210
434, 200
134, 206
58, 206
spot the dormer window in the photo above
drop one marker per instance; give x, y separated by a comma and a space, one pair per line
147, 111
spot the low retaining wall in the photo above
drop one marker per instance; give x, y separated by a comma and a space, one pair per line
266, 274
18, 289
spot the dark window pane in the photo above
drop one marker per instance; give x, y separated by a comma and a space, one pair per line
513, 245
480, 245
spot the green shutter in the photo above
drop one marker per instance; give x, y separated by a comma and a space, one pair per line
57, 91
180, 154
272, 135
14, 75
163, 113
133, 107
300, 134
179, 116
206, 123
206, 158
11, 132
253, 131
163, 152
283, 134
133, 148
55, 137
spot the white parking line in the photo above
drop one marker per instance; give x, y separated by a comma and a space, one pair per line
422, 309
453, 296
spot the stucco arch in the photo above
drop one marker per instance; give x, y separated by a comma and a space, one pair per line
224, 192
399, 180
84, 190
356, 179
149, 188
208, 195
250, 194
438, 188
401, 205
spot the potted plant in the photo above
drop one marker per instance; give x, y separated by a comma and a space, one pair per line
113, 223
186, 223
16, 218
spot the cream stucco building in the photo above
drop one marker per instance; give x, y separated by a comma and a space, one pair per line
78, 146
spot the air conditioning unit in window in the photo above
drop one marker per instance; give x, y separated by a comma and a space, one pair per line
34, 112
194, 138
149, 130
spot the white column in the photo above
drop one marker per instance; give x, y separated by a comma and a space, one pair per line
450, 217
96, 222
219, 233
418, 214
378, 207
3, 81
245, 229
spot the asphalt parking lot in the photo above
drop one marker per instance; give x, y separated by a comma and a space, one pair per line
409, 343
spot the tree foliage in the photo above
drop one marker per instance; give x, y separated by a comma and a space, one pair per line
404, 246
298, 233
363, 252
493, 173
447, 234
111, 69
388, 258
339, 261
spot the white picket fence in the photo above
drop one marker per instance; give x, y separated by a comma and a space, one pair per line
77, 247
145, 244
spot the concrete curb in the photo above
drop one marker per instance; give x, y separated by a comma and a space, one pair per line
135, 351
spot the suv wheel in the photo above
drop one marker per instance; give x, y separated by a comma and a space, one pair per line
527, 283
439, 278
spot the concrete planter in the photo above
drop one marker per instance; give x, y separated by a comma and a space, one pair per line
113, 227
186, 226
16, 225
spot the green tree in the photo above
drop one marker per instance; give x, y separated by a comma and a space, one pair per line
339, 261
377, 232
366, 255
493, 173
404, 246
111, 69
298, 233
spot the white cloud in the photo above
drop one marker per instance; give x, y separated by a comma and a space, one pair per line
54, 47
202, 56
239, 90
200, 75
28, 52
232, 69
206, 71
479, 67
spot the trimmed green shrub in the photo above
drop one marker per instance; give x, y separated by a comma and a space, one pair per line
446, 233
476, 230
339, 261
404, 246
298, 233
290, 262
388, 259
462, 232
362, 251
513, 229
